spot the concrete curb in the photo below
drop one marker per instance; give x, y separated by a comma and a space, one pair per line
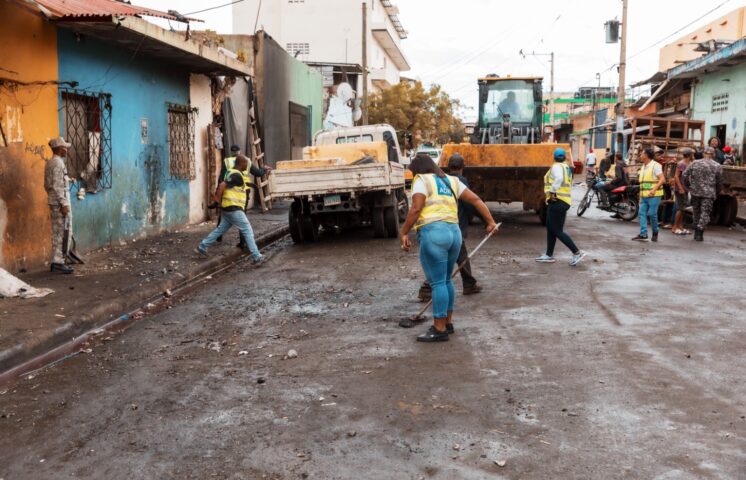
24, 357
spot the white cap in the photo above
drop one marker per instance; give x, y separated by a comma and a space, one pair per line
58, 142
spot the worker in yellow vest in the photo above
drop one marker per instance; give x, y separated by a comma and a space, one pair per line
231, 194
651, 193
434, 215
557, 189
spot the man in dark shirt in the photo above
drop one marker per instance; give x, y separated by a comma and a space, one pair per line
456, 168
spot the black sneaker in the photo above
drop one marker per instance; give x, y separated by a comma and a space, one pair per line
655, 237
641, 238
60, 268
433, 335
450, 329
472, 289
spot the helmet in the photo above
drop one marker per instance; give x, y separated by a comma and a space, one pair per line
559, 153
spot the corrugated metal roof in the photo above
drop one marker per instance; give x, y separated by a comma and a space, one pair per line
59, 9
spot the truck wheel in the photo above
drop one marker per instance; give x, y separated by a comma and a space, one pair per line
309, 228
729, 210
391, 221
294, 224
379, 228
542, 211
402, 204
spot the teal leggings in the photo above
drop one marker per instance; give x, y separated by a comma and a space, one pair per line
440, 243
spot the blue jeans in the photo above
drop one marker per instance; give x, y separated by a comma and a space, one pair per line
649, 208
440, 243
238, 219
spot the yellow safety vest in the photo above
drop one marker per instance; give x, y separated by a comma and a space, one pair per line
564, 192
234, 196
440, 204
648, 180
230, 164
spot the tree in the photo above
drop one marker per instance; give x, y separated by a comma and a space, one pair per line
426, 114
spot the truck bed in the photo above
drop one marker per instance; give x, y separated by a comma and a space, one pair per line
298, 182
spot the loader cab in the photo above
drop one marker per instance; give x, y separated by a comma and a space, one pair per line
510, 110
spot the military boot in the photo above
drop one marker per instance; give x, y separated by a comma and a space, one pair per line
699, 235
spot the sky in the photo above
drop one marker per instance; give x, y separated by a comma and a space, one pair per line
452, 43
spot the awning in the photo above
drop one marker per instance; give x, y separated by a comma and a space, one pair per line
389, 45
729, 56
89, 9
151, 40
658, 77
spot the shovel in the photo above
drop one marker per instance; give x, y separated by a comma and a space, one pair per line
409, 322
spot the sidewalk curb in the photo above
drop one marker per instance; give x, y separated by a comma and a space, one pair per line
25, 357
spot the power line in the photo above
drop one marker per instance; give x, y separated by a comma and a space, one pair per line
215, 7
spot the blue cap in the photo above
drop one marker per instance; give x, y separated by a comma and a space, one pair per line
559, 153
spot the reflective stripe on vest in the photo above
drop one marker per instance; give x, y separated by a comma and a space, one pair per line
648, 180
440, 204
234, 196
564, 192
230, 164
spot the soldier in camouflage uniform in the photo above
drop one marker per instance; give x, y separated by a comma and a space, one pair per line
56, 183
704, 179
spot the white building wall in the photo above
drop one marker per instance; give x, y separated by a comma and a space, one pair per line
200, 97
331, 28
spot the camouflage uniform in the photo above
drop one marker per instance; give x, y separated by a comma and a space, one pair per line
704, 179
56, 183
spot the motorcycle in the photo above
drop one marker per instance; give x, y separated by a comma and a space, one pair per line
623, 201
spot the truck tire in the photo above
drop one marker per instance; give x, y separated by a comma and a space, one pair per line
379, 228
729, 210
391, 221
542, 212
402, 204
309, 228
294, 223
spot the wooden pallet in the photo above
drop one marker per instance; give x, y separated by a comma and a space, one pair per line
257, 152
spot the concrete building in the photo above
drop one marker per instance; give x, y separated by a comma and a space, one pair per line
328, 35
132, 98
718, 96
728, 28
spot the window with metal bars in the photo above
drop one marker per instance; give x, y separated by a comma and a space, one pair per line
181, 142
86, 125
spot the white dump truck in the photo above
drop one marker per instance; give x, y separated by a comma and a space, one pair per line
348, 178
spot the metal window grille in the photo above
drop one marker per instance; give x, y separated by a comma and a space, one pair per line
86, 120
298, 48
181, 142
720, 103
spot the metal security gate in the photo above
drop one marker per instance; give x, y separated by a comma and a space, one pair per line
181, 142
86, 121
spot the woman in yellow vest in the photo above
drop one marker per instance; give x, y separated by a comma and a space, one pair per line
434, 215
651, 193
557, 189
232, 197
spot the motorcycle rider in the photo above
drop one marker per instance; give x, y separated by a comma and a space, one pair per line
620, 179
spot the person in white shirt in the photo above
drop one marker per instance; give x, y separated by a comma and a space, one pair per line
590, 161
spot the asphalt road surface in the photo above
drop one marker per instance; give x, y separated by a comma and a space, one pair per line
628, 366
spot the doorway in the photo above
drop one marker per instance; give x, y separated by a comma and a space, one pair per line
300, 130
719, 132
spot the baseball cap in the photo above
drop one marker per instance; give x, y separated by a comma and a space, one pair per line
59, 142
235, 148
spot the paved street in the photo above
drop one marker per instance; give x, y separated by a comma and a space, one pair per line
628, 366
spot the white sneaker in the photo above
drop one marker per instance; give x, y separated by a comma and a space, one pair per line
545, 259
577, 258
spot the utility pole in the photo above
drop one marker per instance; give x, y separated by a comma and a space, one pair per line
621, 94
365, 63
593, 109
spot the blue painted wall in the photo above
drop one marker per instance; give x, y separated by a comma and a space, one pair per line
143, 199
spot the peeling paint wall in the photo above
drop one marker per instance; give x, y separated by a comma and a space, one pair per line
144, 199
28, 116
201, 98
